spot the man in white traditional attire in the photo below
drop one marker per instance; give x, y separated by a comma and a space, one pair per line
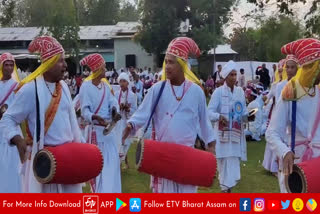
227, 108
97, 106
180, 111
127, 101
291, 69
253, 132
58, 123
138, 88
270, 160
10, 179
298, 109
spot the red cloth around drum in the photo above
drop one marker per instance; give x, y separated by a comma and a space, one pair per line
182, 164
305, 177
70, 163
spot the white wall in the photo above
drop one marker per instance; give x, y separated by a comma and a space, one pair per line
126, 46
250, 67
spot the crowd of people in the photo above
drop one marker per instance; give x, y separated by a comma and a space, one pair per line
109, 109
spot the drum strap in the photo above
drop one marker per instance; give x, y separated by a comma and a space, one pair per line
154, 107
293, 125
8, 94
38, 112
49, 115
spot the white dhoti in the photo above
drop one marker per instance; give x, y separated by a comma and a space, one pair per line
162, 185
125, 148
270, 161
109, 180
281, 179
10, 179
229, 172
31, 185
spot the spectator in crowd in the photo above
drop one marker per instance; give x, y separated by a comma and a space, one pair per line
242, 79
150, 74
79, 82
209, 85
263, 73
217, 76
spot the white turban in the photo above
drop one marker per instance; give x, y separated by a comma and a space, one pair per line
124, 76
227, 68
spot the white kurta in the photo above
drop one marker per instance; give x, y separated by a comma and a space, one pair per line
279, 88
10, 179
139, 86
228, 154
176, 122
109, 181
130, 98
270, 160
255, 126
305, 118
63, 129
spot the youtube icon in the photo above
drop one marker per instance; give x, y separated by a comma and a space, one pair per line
273, 205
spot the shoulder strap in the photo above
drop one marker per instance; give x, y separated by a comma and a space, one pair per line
38, 112
293, 125
8, 94
155, 106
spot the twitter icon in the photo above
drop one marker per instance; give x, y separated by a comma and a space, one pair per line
285, 205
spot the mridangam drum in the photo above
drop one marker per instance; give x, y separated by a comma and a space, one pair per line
182, 164
304, 178
70, 163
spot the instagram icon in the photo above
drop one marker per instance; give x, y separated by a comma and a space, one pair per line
258, 204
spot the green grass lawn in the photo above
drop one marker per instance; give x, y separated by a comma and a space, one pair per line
254, 179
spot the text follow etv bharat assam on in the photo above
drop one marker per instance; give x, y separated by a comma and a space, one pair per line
186, 204
40, 203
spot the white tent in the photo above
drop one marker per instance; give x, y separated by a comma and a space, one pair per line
250, 68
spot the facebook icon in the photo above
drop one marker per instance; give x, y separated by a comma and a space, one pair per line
245, 204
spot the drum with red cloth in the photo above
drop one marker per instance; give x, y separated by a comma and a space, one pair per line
182, 164
304, 178
70, 163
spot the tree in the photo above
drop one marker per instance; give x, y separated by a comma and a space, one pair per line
244, 42
207, 18
99, 12
128, 12
9, 10
160, 24
284, 6
264, 43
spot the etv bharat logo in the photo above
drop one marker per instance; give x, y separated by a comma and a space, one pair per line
90, 204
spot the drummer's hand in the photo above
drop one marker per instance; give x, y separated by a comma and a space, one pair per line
223, 120
288, 163
21, 146
126, 132
100, 120
212, 148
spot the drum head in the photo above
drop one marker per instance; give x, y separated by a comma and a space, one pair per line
44, 166
296, 182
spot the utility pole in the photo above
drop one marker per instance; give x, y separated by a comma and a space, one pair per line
214, 31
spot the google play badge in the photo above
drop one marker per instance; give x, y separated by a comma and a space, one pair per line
311, 205
120, 204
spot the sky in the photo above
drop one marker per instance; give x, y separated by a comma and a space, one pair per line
244, 8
